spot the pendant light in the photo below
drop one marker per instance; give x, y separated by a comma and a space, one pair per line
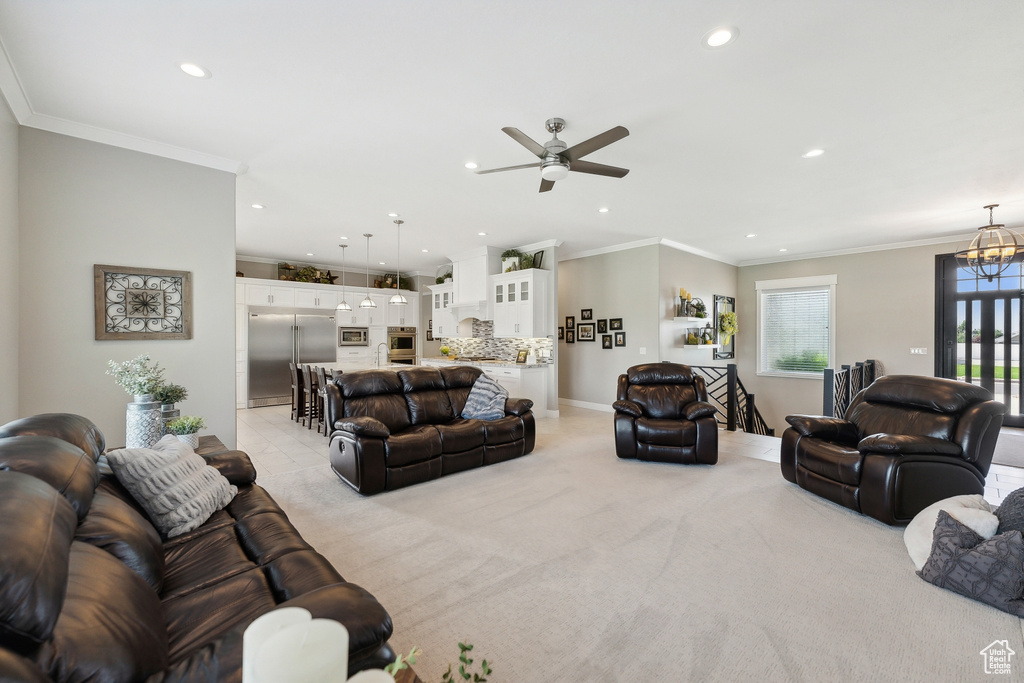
397, 299
367, 302
343, 306
992, 249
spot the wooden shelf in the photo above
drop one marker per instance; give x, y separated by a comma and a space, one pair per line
702, 346
691, 320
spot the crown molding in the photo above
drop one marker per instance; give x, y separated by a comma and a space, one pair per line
855, 250
671, 244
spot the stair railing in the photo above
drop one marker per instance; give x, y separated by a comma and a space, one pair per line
842, 385
736, 405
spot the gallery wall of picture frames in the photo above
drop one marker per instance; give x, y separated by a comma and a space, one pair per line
609, 331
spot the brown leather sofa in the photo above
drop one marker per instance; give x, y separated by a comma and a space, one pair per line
662, 415
394, 429
906, 442
89, 591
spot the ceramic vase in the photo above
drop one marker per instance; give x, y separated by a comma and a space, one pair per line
190, 440
143, 423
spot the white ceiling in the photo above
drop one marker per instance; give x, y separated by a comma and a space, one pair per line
338, 112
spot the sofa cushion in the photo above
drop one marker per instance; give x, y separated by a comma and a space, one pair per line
175, 487
74, 429
885, 418
461, 435
929, 393
506, 430
830, 460
970, 510
416, 444
426, 396
36, 535
118, 528
662, 401
389, 409
666, 432
988, 571
486, 400
1010, 512
459, 380
112, 622
60, 464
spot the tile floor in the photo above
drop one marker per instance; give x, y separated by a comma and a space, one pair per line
276, 444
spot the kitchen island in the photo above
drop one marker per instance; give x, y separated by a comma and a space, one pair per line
521, 380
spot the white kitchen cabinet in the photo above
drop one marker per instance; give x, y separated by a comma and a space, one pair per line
404, 316
445, 324
509, 378
350, 360
520, 302
315, 298
269, 295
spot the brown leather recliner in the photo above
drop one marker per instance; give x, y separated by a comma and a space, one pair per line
662, 415
906, 442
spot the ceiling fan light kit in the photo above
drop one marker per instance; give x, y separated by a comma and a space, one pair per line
992, 249
557, 159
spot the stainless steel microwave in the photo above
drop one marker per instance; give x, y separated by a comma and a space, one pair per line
353, 336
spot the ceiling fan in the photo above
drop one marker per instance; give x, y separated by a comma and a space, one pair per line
556, 160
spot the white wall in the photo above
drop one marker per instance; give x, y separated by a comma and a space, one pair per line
885, 304
8, 264
703, 278
82, 203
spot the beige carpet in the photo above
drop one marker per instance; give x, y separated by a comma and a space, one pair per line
571, 565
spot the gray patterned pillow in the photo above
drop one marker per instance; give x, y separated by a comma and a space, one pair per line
1011, 512
486, 400
989, 571
175, 487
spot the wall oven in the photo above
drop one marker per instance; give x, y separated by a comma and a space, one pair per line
402, 345
353, 336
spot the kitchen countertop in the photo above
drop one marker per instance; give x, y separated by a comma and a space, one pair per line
482, 363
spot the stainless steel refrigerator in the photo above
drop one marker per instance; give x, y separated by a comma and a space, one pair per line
276, 339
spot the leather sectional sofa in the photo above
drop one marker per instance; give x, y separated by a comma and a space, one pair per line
89, 591
394, 429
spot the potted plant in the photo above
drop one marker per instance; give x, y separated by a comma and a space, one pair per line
727, 325
138, 377
511, 260
168, 395
445, 351
186, 428
441, 279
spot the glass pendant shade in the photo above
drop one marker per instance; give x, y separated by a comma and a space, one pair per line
397, 299
343, 306
367, 302
992, 249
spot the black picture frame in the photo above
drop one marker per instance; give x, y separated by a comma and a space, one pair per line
430, 335
570, 322
726, 350
615, 323
561, 333
570, 336
602, 325
521, 356
586, 314
606, 341
585, 332
538, 258
620, 338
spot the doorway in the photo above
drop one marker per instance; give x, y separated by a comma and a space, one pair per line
978, 331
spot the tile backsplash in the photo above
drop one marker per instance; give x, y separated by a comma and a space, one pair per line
483, 343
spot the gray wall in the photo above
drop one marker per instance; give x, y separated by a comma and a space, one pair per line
8, 264
703, 278
885, 303
621, 284
83, 203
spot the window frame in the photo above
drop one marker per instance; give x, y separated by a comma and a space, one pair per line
796, 284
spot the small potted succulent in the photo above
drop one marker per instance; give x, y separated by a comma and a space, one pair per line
445, 351
186, 428
168, 395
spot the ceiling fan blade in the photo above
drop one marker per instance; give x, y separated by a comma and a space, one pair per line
546, 185
526, 141
593, 144
598, 169
508, 168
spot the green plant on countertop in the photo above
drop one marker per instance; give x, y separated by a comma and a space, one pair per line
727, 325
403, 662
464, 672
445, 350
187, 424
137, 376
170, 393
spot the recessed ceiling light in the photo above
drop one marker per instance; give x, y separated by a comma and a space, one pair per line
471, 165
810, 154
258, 206
603, 209
393, 215
720, 37
309, 254
425, 250
783, 249
342, 238
482, 234
381, 263
752, 235
194, 70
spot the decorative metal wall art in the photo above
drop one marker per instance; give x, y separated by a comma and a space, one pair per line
142, 303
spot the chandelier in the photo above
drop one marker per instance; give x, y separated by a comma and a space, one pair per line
992, 249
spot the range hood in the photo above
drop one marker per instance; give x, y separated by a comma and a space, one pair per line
471, 271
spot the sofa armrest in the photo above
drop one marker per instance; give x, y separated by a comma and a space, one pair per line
236, 467
628, 407
907, 444
363, 426
698, 409
518, 406
827, 428
17, 669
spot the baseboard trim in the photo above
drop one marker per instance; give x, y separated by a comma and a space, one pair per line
603, 407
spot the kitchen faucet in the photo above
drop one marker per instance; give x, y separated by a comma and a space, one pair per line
387, 353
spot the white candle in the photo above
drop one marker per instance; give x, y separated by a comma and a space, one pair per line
259, 631
310, 652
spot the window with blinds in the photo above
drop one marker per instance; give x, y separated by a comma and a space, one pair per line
795, 326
